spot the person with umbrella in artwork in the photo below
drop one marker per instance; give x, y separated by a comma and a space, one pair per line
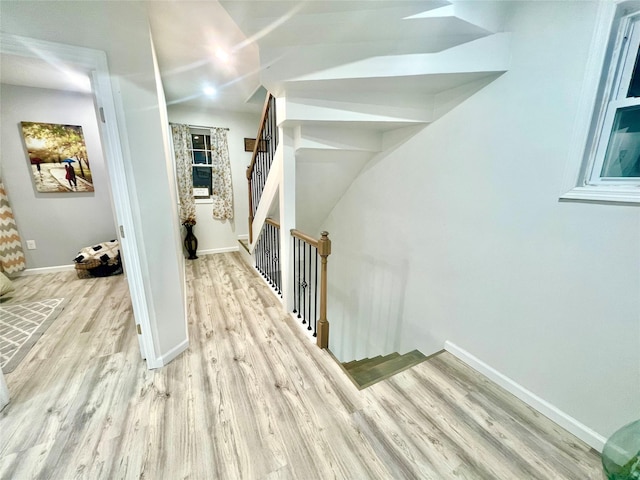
71, 173
37, 161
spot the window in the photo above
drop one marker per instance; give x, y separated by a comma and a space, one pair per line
606, 149
201, 154
617, 154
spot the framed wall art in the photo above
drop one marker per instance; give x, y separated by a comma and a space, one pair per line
57, 156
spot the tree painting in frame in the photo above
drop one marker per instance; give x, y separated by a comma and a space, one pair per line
58, 157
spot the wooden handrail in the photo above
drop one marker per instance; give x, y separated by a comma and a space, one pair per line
271, 221
304, 237
250, 168
263, 121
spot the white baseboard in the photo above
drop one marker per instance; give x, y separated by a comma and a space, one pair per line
243, 237
40, 271
218, 250
566, 421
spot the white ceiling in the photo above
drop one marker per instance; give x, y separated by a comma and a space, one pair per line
190, 37
39, 73
295, 37
187, 37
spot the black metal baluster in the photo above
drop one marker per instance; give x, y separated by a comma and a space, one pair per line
272, 252
295, 278
271, 229
262, 253
265, 253
254, 187
264, 140
304, 283
315, 312
278, 268
260, 175
258, 254
309, 291
255, 256
299, 280
253, 191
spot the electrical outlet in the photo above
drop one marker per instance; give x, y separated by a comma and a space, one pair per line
31, 244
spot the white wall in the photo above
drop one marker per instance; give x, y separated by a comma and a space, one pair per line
465, 217
223, 234
60, 223
121, 29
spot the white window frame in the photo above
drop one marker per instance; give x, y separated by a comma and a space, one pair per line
198, 131
600, 99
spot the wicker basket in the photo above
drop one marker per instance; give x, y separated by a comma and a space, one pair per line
96, 268
82, 269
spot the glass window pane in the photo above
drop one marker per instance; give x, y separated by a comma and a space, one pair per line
198, 142
202, 177
634, 85
622, 159
207, 142
200, 158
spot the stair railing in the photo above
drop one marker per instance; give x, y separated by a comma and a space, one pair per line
263, 153
267, 254
306, 285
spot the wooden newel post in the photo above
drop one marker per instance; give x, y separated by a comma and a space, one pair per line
250, 205
324, 250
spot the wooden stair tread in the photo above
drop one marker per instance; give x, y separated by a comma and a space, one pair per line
367, 377
369, 364
355, 363
244, 243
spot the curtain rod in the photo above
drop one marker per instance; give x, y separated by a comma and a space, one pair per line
201, 127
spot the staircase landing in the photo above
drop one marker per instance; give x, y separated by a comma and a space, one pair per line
368, 371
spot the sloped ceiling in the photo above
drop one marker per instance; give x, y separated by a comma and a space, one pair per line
200, 47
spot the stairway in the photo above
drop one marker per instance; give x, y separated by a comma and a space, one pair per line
355, 79
368, 371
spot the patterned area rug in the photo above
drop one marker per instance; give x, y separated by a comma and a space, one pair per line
21, 326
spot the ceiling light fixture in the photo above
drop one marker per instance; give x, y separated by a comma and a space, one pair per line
223, 56
209, 91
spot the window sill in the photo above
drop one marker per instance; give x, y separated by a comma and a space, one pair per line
199, 201
620, 195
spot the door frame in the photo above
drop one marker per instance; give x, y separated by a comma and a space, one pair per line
108, 110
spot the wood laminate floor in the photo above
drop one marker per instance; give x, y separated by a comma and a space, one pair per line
251, 399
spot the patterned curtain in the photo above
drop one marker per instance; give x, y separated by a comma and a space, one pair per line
221, 170
184, 172
11, 253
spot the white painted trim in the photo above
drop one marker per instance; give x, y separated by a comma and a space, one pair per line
287, 204
217, 250
244, 236
124, 203
44, 270
566, 421
264, 280
268, 194
174, 352
592, 193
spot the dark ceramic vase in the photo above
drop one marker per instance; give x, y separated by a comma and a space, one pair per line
191, 242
